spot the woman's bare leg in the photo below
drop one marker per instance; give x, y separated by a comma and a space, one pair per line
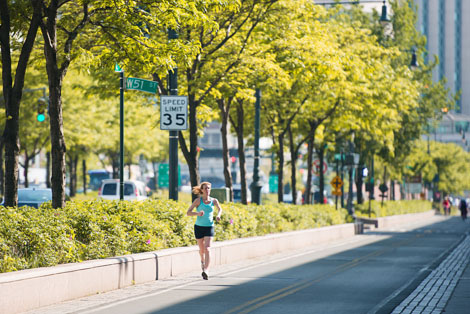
200, 243
207, 252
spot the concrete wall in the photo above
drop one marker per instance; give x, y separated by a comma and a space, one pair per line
28, 289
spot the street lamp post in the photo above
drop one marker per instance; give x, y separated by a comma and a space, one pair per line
173, 144
121, 135
256, 184
371, 183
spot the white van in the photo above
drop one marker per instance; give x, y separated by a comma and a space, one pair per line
133, 190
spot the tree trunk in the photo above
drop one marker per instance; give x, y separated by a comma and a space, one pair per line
75, 176
321, 157
350, 192
293, 158
26, 169
12, 149
359, 183
55, 77
310, 144
57, 143
239, 130
12, 93
115, 165
191, 154
241, 153
48, 169
2, 171
280, 173
224, 112
308, 188
84, 176
73, 162
70, 173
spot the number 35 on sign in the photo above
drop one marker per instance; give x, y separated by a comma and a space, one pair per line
173, 113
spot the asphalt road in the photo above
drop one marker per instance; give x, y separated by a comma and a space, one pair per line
370, 273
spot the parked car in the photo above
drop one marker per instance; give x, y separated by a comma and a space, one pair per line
33, 197
237, 193
133, 190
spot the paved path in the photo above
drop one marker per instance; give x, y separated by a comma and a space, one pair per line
417, 268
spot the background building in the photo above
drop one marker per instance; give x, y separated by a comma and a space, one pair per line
446, 25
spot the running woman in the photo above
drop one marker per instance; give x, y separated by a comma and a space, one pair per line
204, 227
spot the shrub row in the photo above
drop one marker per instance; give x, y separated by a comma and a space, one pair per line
377, 209
85, 230
31, 237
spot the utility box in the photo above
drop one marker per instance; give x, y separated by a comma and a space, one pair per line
222, 194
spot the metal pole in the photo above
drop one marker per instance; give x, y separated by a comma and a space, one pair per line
371, 183
350, 190
256, 185
121, 136
337, 174
173, 149
342, 179
372, 171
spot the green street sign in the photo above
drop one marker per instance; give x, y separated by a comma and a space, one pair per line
273, 181
164, 175
141, 85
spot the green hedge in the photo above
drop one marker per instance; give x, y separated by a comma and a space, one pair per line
85, 230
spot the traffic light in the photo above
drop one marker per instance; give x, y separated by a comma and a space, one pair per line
43, 104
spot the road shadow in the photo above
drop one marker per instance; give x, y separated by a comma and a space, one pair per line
377, 275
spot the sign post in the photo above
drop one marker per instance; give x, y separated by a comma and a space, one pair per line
174, 135
337, 183
131, 83
117, 68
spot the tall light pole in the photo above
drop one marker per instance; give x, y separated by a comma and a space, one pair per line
121, 135
256, 184
173, 145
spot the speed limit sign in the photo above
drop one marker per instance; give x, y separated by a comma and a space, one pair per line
173, 113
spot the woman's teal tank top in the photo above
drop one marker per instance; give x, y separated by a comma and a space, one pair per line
208, 219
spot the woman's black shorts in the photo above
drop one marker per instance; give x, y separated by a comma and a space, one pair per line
201, 232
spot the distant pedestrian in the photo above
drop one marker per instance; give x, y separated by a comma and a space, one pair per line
446, 205
204, 227
463, 208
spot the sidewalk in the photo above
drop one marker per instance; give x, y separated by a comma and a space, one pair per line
445, 289
460, 299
